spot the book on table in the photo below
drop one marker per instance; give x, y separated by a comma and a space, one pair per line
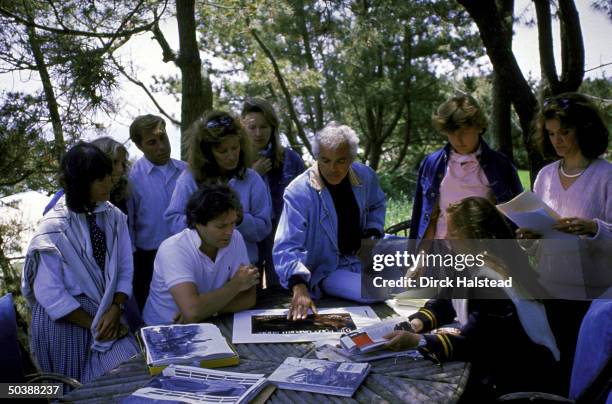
371, 338
320, 376
200, 345
188, 384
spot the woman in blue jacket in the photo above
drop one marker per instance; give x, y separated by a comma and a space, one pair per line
466, 166
220, 154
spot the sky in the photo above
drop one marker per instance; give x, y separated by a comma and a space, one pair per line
146, 55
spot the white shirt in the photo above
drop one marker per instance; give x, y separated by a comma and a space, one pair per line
179, 260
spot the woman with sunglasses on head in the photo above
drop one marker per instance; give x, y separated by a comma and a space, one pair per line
220, 154
465, 166
578, 186
277, 165
78, 271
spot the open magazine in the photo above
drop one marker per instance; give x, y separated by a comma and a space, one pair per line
529, 211
187, 384
320, 376
370, 339
186, 344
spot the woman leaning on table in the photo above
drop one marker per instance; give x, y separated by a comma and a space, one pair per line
78, 273
578, 186
502, 332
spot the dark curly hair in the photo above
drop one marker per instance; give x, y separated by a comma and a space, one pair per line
205, 133
577, 111
80, 166
210, 202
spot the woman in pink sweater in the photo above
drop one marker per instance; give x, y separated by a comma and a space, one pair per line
578, 186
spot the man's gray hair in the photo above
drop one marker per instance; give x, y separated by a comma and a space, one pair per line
332, 136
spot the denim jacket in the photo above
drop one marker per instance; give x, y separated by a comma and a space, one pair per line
501, 174
306, 241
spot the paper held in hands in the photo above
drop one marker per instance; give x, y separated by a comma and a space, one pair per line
527, 210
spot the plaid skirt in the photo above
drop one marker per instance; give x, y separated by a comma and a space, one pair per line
63, 347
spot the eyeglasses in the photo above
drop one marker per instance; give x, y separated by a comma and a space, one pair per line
224, 121
562, 102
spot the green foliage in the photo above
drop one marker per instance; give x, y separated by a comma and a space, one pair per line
399, 209
26, 160
525, 178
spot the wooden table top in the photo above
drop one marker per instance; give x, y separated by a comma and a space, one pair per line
393, 380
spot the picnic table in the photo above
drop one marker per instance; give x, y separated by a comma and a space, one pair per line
400, 379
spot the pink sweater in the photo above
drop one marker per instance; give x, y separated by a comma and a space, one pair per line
590, 197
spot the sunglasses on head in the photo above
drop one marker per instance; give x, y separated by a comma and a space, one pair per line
562, 103
224, 121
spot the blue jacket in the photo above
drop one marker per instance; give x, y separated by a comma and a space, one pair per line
498, 168
254, 198
306, 241
278, 179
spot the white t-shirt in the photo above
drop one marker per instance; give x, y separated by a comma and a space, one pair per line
180, 260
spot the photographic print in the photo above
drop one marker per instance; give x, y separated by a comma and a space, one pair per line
266, 326
278, 324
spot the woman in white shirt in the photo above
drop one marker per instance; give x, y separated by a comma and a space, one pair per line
78, 274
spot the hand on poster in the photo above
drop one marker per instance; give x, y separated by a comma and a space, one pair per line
300, 303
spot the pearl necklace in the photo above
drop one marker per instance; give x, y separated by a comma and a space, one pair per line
572, 175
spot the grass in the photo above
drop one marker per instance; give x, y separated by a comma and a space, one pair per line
398, 209
525, 178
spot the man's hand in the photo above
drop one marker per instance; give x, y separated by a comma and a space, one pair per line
401, 340
300, 303
109, 325
262, 165
246, 277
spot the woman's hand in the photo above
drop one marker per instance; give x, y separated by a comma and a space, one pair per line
109, 326
262, 165
300, 303
527, 234
577, 226
417, 324
401, 340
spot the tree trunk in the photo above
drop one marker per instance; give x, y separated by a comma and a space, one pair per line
56, 122
492, 32
501, 123
194, 100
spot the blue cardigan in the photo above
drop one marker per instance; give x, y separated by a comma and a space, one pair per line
498, 168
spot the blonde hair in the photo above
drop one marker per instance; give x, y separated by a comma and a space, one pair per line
459, 111
259, 105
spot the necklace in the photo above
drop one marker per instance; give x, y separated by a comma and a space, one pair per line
578, 174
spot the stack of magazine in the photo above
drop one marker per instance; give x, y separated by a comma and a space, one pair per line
320, 376
367, 343
187, 384
200, 345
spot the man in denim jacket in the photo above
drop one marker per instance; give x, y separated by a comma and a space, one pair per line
327, 211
